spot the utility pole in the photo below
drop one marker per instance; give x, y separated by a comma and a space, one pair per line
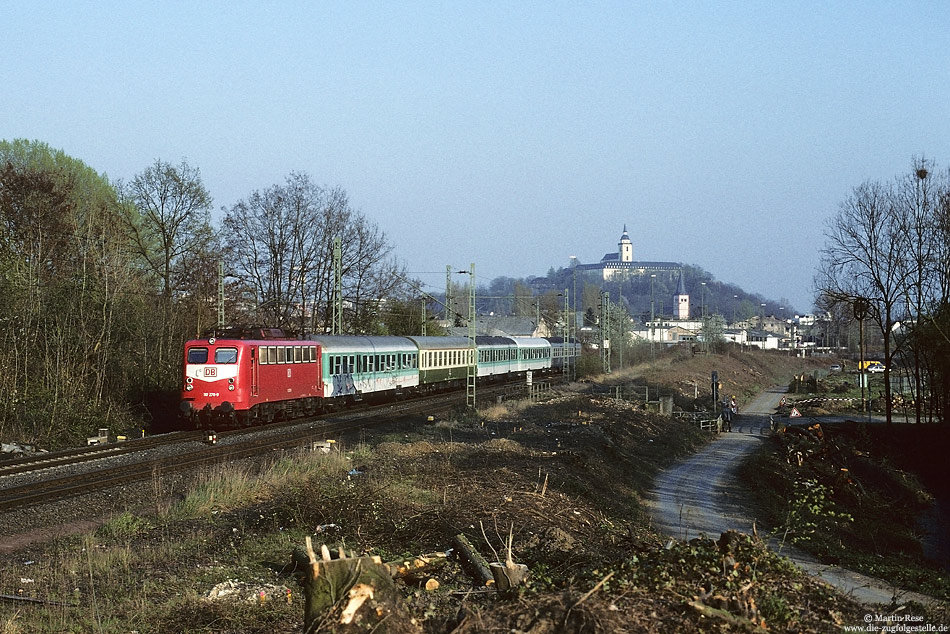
861, 307
472, 348
705, 324
652, 320
605, 332
621, 336
336, 326
423, 316
567, 349
303, 302
449, 317
573, 318
220, 293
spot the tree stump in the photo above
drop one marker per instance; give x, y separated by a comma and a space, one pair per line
508, 575
360, 590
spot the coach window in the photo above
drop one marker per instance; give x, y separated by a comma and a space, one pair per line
281, 354
225, 355
197, 355
306, 354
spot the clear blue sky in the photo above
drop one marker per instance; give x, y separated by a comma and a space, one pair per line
509, 134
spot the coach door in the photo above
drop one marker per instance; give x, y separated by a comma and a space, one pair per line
255, 373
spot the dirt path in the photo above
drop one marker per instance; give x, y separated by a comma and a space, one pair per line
701, 495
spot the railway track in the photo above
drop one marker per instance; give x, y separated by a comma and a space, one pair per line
278, 436
78, 455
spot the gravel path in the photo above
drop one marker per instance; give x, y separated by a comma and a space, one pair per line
701, 495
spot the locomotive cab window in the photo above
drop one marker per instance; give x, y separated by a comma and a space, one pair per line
197, 355
225, 355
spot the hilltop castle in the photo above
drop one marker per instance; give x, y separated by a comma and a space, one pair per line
616, 267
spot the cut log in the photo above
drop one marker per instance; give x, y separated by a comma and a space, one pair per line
417, 570
472, 561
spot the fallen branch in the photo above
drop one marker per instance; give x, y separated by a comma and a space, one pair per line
472, 560
15, 598
727, 617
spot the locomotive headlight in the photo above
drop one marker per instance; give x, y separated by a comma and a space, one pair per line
189, 387
189, 380
231, 380
231, 388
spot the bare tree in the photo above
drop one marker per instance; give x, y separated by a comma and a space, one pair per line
917, 203
280, 244
169, 221
864, 259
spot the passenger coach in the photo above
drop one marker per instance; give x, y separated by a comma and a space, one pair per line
357, 366
443, 361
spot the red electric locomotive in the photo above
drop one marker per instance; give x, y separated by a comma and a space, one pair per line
250, 375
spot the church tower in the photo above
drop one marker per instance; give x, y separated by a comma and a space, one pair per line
681, 300
625, 247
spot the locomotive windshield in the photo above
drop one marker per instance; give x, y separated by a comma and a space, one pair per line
225, 355
197, 355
